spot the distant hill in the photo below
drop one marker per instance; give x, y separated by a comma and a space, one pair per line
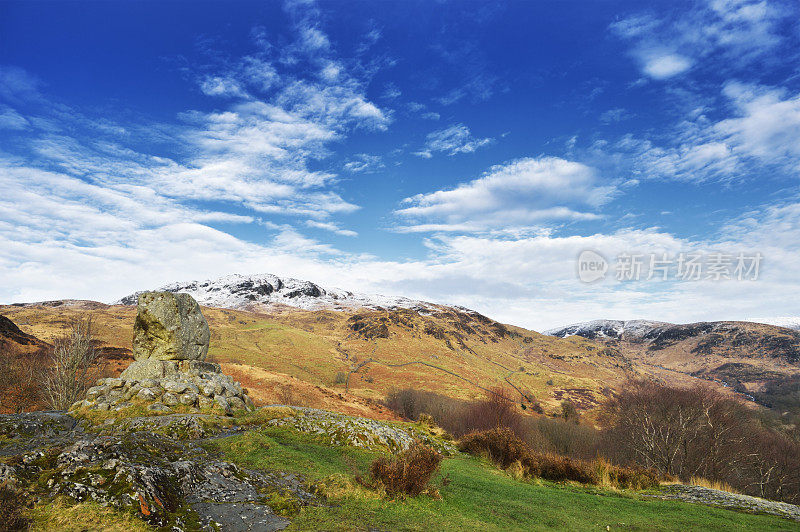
745, 356
13, 340
356, 347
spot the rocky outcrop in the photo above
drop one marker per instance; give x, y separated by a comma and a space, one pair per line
170, 483
724, 499
195, 385
169, 327
9, 331
170, 341
339, 429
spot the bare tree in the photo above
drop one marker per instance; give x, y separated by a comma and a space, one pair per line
71, 366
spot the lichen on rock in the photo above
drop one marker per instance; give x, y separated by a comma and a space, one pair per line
169, 327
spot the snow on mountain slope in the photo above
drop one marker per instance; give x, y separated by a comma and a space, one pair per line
266, 291
790, 322
630, 329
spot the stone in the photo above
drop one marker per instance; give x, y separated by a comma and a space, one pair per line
150, 383
169, 327
204, 402
176, 387
145, 394
158, 407
236, 403
188, 398
152, 369
169, 399
115, 383
223, 404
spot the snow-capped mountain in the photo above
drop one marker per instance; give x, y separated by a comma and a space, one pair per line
790, 322
267, 292
619, 329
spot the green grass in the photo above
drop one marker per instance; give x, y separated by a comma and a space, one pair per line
477, 497
286, 450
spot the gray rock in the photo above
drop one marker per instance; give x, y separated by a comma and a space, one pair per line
169, 327
236, 403
204, 402
188, 398
146, 394
176, 387
159, 407
169, 399
223, 404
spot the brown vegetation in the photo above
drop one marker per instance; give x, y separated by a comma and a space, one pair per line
698, 432
508, 451
12, 509
71, 366
408, 473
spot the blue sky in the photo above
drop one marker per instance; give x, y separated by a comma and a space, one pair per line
461, 152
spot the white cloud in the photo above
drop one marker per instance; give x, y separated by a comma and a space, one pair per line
614, 115
521, 192
734, 30
662, 66
452, 140
330, 226
221, 86
763, 132
364, 163
10, 119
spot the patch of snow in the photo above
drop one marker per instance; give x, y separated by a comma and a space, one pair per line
619, 329
267, 291
790, 322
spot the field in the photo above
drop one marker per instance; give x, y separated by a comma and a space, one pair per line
474, 496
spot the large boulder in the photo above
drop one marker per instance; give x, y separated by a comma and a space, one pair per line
169, 327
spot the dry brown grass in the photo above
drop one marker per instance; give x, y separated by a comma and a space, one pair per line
712, 484
66, 516
509, 452
12, 509
316, 346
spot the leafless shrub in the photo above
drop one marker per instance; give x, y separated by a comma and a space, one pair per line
71, 366
698, 432
407, 473
19, 381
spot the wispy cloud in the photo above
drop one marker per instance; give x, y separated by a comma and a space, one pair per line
452, 141
761, 132
364, 163
669, 45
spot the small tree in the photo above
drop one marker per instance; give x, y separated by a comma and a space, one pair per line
71, 366
569, 412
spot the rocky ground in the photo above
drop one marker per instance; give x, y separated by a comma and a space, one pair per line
167, 481
733, 501
156, 466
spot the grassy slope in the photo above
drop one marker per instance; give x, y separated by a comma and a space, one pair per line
477, 497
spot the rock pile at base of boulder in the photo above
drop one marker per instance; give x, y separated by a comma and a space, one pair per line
170, 342
189, 383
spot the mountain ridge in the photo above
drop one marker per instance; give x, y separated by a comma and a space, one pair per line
268, 292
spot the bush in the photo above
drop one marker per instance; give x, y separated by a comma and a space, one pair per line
341, 378
407, 473
72, 366
12, 506
508, 451
500, 445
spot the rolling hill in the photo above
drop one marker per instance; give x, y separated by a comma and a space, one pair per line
343, 350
